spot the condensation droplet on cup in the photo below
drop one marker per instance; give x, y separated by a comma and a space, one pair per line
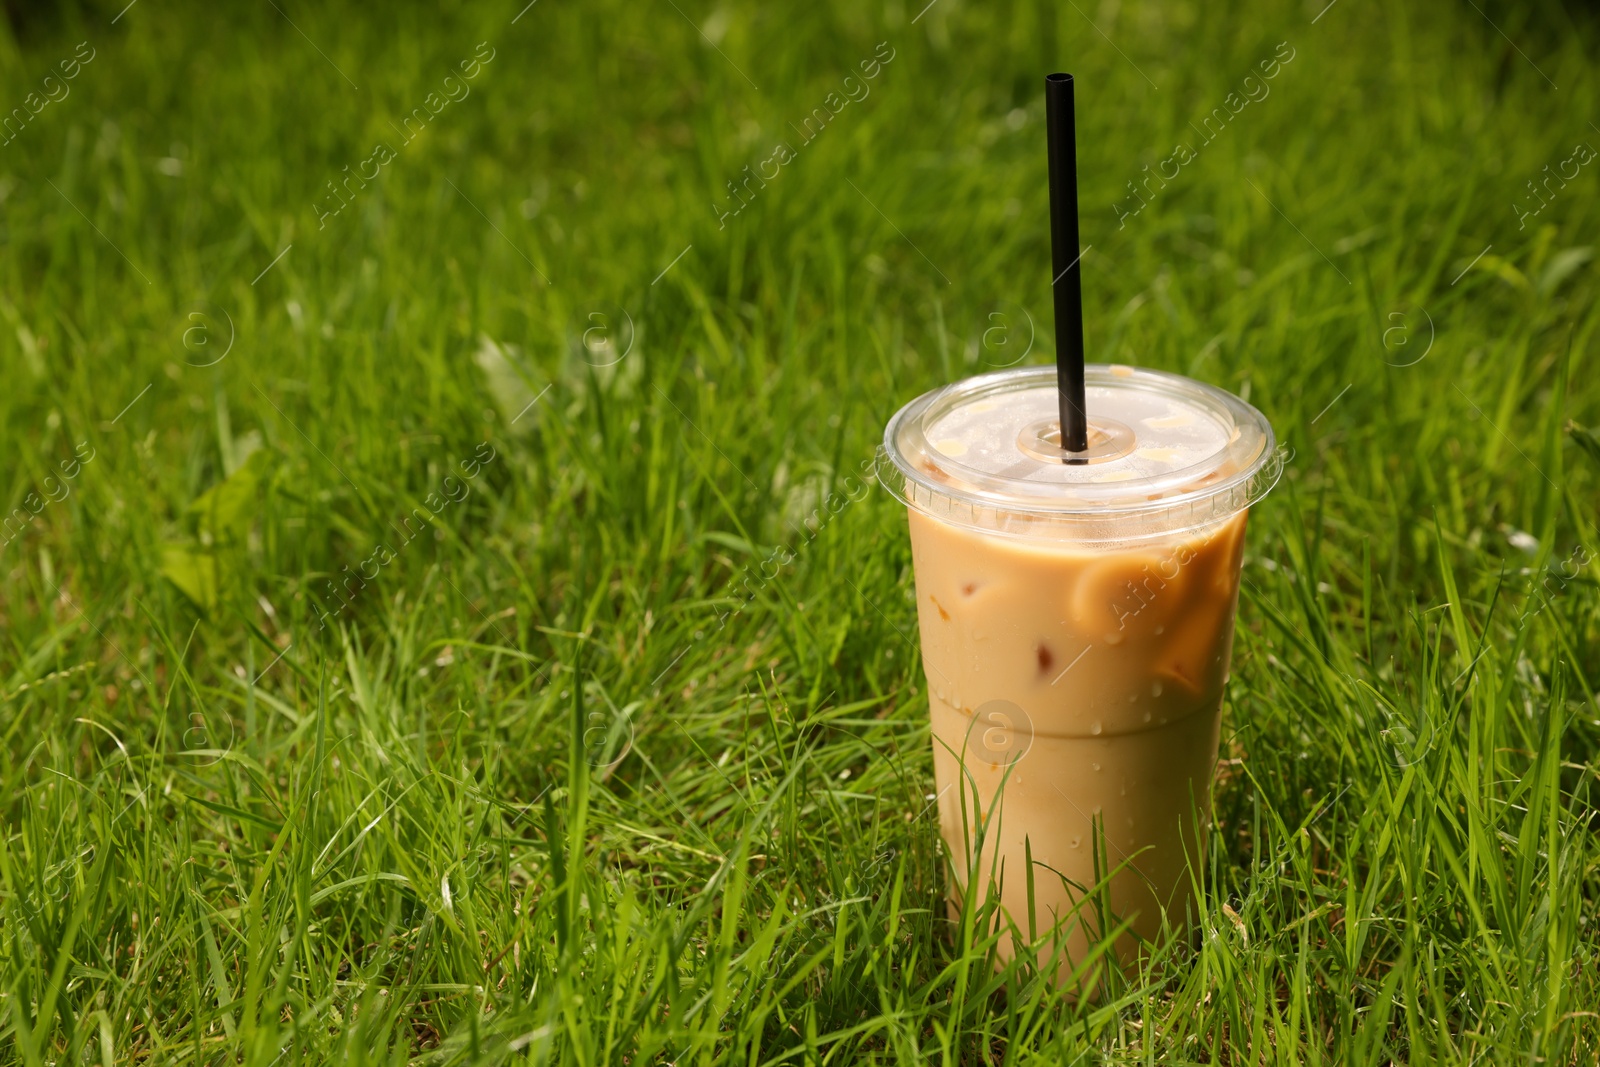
1147, 716
1095, 729
1096, 766
1075, 842
1155, 688
1114, 637
1160, 630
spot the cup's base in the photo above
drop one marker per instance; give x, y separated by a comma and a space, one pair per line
1112, 825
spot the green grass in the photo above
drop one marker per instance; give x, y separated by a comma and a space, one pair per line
240, 827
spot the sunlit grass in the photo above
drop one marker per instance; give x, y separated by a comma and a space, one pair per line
320, 748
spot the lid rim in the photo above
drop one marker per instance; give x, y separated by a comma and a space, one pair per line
1252, 446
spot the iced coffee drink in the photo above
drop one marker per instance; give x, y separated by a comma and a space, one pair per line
1076, 613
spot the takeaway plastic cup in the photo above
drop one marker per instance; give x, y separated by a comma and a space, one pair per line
1077, 616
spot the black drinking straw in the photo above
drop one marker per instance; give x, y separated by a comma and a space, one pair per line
1067, 288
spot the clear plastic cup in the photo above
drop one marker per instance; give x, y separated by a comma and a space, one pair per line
1077, 614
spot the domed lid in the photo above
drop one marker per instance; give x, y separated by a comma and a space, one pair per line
1166, 454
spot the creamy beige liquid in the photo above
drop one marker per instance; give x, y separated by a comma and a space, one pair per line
1089, 683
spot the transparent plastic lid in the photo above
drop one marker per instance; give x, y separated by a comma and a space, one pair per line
1166, 454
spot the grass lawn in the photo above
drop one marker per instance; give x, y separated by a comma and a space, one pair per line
439, 625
